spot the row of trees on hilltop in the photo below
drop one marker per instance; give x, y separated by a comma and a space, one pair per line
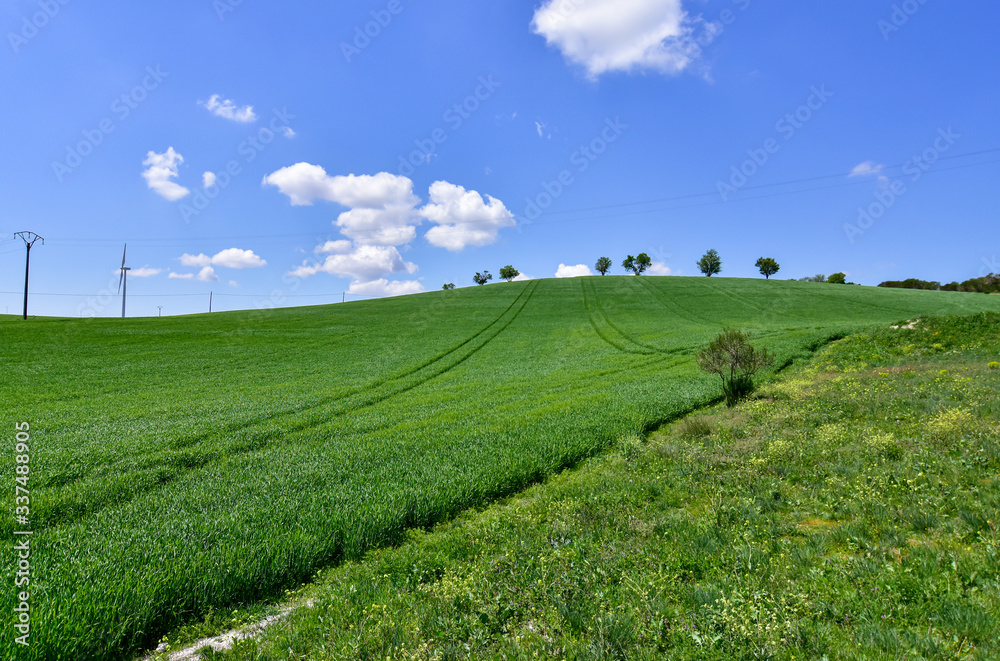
710, 264
988, 284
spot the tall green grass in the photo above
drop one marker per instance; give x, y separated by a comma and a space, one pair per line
181, 464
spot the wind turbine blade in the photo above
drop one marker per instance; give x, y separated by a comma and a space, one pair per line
123, 255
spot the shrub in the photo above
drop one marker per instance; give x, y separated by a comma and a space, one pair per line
603, 265
508, 273
637, 264
482, 278
735, 361
767, 266
993, 365
838, 279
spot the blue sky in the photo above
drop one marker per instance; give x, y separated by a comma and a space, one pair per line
276, 154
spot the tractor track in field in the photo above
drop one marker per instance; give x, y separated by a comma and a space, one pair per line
640, 348
669, 305
178, 464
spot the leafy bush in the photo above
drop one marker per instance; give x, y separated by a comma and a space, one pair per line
837, 279
710, 263
637, 264
767, 266
603, 265
508, 273
735, 361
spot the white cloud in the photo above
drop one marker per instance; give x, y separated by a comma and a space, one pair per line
288, 132
463, 218
383, 287
364, 264
228, 110
619, 35
144, 272
573, 271
161, 169
304, 183
381, 206
659, 268
866, 168
334, 247
181, 276
207, 274
233, 283
521, 277
208, 179
232, 258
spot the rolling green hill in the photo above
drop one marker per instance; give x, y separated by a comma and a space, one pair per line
189, 462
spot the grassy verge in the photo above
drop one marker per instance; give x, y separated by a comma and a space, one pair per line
849, 511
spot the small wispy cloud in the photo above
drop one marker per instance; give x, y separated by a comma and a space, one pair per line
865, 169
227, 109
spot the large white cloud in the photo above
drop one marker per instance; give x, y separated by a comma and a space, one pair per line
463, 218
382, 206
659, 268
233, 258
228, 110
161, 168
364, 264
573, 271
619, 35
382, 287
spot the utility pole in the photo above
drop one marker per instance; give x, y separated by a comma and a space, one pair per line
29, 239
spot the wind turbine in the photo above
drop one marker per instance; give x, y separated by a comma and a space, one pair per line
123, 280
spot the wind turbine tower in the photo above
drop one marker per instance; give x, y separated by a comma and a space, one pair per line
123, 280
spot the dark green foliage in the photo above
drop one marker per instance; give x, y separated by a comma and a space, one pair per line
912, 283
710, 263
603, 265
767, 266
814, 278
989, 284
838, 279
733, 359
508, 273
637, 265
448, 285
482, 278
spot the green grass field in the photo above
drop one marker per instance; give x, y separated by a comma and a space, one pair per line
849, 511
181, 464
